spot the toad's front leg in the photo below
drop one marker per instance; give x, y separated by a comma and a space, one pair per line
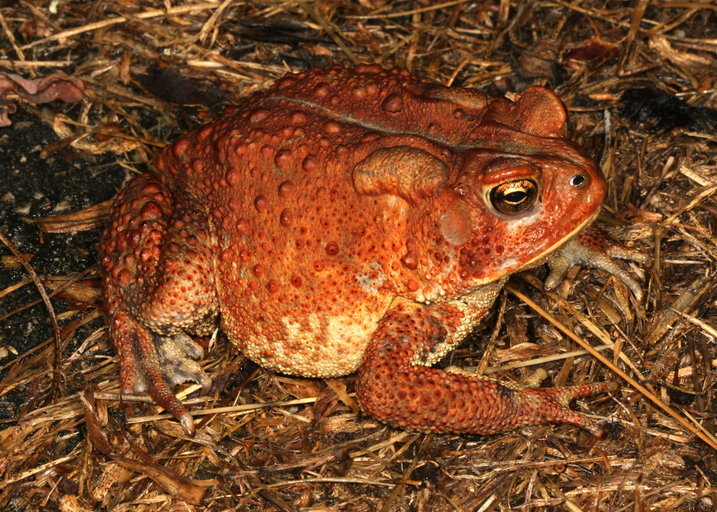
158, 286
395, 386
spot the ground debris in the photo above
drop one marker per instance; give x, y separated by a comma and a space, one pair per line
639, 83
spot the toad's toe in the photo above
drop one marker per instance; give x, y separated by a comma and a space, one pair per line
178, 357
595, 248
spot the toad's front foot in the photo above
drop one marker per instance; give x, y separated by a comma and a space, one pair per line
593, 247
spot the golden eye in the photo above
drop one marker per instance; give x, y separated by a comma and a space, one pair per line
514, 197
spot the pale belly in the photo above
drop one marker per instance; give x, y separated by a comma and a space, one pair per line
313, 346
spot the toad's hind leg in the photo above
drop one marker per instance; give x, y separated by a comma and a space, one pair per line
395, 387
157, 278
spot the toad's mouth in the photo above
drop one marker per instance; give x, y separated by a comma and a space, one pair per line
540, 258
513, 267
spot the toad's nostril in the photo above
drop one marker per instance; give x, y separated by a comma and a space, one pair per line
577, 180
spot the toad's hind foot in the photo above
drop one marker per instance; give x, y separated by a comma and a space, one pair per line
178, 356
150, 364
552, 403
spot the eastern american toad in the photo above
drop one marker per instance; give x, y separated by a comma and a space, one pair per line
353, 220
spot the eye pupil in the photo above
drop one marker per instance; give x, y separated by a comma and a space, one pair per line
515, 197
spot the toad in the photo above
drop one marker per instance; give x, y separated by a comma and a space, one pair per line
353, 220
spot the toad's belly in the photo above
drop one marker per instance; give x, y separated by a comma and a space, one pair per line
311, 346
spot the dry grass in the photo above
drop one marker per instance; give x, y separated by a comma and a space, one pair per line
270, 442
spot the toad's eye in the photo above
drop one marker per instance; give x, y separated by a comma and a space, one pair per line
514, 197
577, 180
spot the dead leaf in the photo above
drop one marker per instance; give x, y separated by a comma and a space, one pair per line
592, 50
57, 86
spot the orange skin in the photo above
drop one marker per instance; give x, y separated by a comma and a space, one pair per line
343, 221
